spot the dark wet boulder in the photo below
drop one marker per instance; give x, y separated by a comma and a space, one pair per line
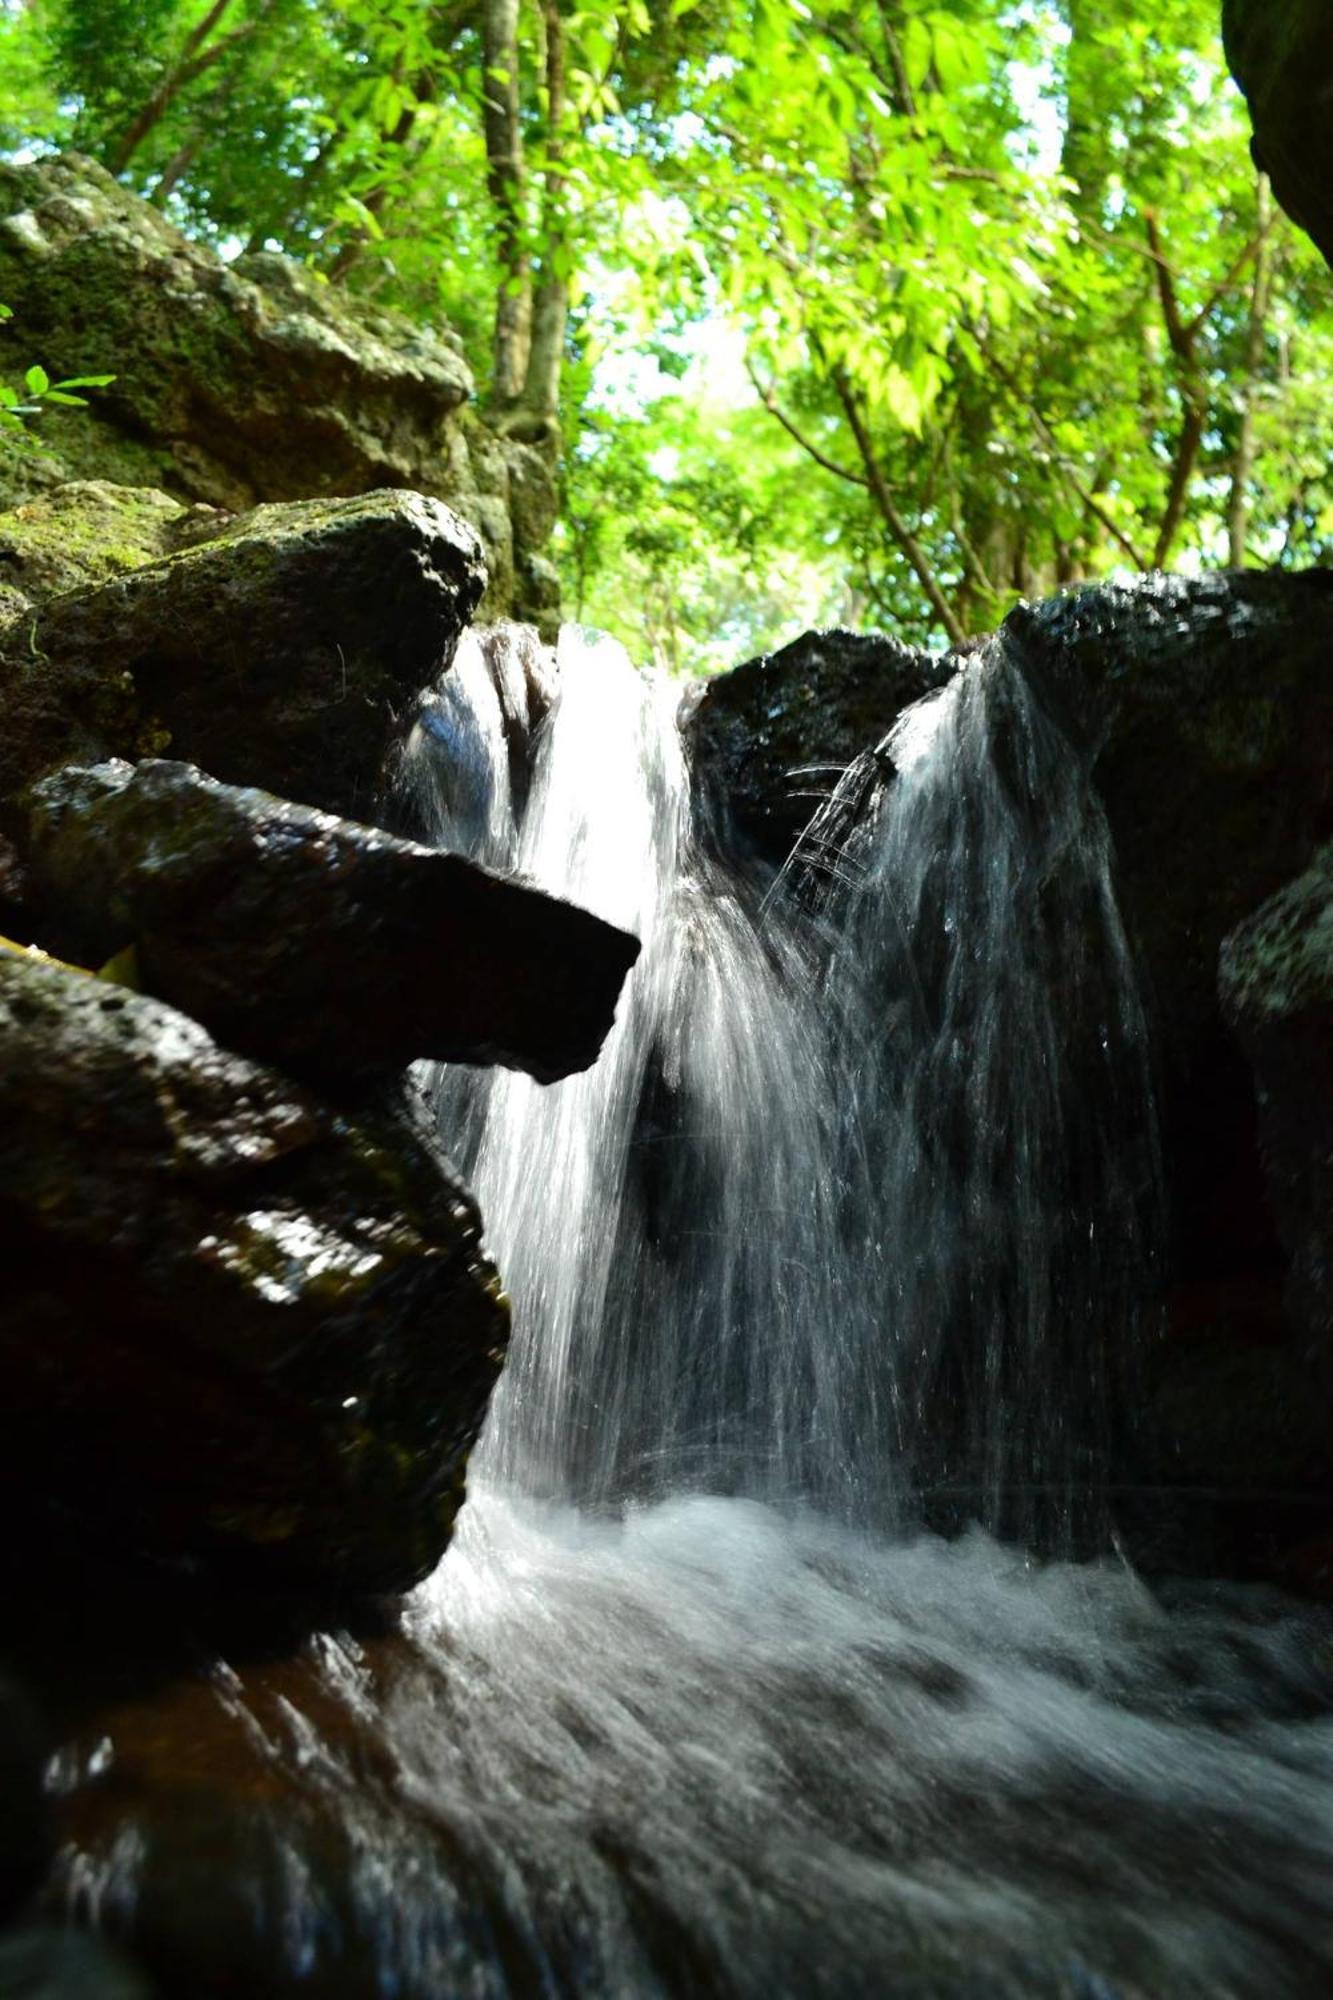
25, 1832
1205, 706
1277, 994
281, 652
325, 946
1281, 54
772, 736
236, 1328
49, 1962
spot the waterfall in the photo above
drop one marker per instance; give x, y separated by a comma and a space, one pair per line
846, 1233
998, 1110
849, 1205
669, 1222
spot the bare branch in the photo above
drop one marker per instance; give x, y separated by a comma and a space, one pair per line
769, 400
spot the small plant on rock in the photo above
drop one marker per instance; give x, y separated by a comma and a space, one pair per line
38, 390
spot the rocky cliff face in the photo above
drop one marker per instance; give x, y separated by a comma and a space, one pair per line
243, 382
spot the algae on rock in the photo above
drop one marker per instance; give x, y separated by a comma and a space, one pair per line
243, 382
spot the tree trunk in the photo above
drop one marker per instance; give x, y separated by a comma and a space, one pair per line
504, 182
1242, 465
1085, 154
541, 387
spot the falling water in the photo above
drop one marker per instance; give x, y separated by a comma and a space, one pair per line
668, 1222
996, 1085
858, 1201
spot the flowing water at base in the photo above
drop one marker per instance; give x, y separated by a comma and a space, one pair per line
694, 1706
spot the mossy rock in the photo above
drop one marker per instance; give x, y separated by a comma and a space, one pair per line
281, 651
87, 530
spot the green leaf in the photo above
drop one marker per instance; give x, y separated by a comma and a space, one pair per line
36, 381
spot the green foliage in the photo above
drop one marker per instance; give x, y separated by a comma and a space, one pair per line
1015, 309
38, 390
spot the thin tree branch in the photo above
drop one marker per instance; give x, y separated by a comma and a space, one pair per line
769, 400
1061, 463
1180, 336
893, 520
1182, 470
195, 61
1223, 285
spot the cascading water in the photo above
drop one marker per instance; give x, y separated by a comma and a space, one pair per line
668, 1222
994, 1072
857, 1201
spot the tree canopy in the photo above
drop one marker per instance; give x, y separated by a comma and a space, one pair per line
894, 311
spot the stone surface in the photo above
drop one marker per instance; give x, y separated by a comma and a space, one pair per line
1281, 54
25, 1832
312, 942
281, 652
774, 735
87, 531
235, 1328
1277, 992
1206, 708
46, 1962
243, 382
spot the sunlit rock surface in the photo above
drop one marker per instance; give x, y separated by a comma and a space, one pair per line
279, 652
245, 381
313, 942
234, 1326
87, 530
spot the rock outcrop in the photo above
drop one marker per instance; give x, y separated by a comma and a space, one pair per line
236, 1327
773, 736
1206, 709
243, 382
328, 948
279, 652
1281, 54
1203, 709
1277, 993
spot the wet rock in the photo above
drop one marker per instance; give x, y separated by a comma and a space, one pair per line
281, 651
321, 945
1281, 54
774, 735
236, 1329
1277, 993
1206, 708
241, 382
44, 1963
25, 1835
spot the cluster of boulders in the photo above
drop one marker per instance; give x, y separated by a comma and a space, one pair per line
243, 382
247, 1318
248, 1328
